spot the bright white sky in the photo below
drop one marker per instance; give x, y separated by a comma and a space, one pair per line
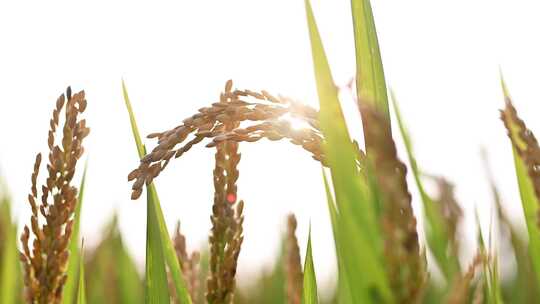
442, 59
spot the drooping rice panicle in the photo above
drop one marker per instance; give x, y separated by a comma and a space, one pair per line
405, 264
45, 261
269, 114
293, 265
525, 144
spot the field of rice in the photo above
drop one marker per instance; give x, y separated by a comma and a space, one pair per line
386, 251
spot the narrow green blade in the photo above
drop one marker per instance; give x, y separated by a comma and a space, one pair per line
530, 211
309, 293
74, 254
434, 225
168, 251
133, 122
130, 285
156, 286
490, 273
362, 252
9, 268
370, 82
81, 296
344, 292
523, 289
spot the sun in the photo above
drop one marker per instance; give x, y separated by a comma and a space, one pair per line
295, 122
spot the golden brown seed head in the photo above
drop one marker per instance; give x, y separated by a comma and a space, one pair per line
45, 264
525, 144
234, 108
293, 266
405, 265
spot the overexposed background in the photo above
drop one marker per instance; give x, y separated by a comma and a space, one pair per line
442, 58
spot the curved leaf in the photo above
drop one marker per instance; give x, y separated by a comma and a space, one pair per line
158, 220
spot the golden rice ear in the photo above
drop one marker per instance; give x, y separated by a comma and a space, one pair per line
293, 266
220, 122
525, 144
267, 112
228, 86
189, 264
45, 265
226, 234
405, 266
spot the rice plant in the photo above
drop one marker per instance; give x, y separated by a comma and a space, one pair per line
381, 255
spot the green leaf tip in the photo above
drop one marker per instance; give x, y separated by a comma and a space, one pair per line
503, 84
74, 252
133, 122
370, 79
309, 292
81, 295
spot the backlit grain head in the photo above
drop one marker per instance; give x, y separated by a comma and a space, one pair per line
238, 116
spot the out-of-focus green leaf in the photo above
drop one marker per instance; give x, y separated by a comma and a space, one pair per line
128, 277
530, 207
10, 273
529, 201
434, 225
524, 288
490, 273
113, 277
343, 292
309, 292
362, 253
74, 253
167, 248
370, 82
81, 295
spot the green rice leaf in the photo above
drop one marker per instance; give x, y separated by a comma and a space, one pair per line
114, 274
133, 122
357, 223
434, 225
10, 273
130, 285
309, 292
74, 253
154, 209
156, 286
490, 273
529, 201
491, 280
530, 206
343, 292
81, 296
370, 82
524, 288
